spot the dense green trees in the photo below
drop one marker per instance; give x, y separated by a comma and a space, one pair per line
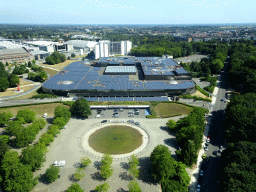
33, 156
52, 173
55, 58
171, 174
4, 84
40, 74
75, 187
189, 134
19, 69
17, 177
81, 108
239, 167
62, 112
239, 123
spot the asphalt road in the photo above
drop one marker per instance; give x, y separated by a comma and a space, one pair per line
211, 166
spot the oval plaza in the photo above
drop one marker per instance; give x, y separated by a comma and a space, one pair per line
122, 79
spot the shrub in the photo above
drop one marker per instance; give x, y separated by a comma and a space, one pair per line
42, 96
54, 130
202, 91
27, 114
4, 117
60, 122
52, 173
85, 161
46, 139
40, 122
102, 188
73, 54
62, 111
79, 174
75, 187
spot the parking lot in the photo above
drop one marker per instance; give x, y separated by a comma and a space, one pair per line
67, 146
117, 114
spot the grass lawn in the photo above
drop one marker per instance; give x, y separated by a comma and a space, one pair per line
117, 139
39, 109
28, 96
171, 109
50, 71
60, 65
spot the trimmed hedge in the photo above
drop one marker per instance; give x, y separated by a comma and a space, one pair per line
202, 91
42, 96
195, 98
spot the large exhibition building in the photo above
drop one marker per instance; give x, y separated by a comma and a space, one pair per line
122, 79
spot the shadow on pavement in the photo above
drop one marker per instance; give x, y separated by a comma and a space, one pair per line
145, 171
97, 165
97, 176
43, 179
125, 176
172, 143
124, 165
121, 190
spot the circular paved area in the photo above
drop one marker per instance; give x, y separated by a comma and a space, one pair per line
90, 151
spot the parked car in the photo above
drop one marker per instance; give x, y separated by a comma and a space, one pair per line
97, 116
104, 121
115, 110
198, 188
131, 112
206, 148
45, 115
221, 148
131, 115
137, 123
201, 173
65, 127
121, 110
136, 109
130, 121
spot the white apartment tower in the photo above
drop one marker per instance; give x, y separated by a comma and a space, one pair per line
106, 48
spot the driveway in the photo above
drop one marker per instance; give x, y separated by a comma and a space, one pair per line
67, 146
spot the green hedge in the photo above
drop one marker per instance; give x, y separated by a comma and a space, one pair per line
42, 96
202, 91
195, 98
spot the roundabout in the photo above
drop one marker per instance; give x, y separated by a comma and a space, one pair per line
120, 140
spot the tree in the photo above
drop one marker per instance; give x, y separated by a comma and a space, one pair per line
4, 147
46, 139
73, 55
105, 169
33, 156
85, 161
43, 75
34, 61
4, 84
53, 130
27, 114
171, 124
4, 117
134, 186
133, 163
14, 80
75, 187
52, 173
102, 188
81, 108
13, 127
79, 174
61, 111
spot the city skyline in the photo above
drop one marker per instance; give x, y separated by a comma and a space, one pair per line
123, 12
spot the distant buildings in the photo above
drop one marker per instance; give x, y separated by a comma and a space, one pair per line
14, 55
106, 48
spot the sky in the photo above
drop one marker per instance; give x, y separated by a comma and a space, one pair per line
127, 12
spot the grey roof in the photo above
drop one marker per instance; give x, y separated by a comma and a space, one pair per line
12, 51
120, 69
38, 52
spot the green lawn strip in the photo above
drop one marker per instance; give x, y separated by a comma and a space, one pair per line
39, 108
116, 139
171, 109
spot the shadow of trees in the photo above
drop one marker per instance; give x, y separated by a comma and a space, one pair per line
121, 190
145, 171
97, 176
124, 165
43, 179
125, 176
97, 164
172, 142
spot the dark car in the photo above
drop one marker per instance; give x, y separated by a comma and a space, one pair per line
130, 121
104, 121
115, 110
136, 109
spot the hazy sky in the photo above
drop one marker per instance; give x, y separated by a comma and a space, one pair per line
127, 12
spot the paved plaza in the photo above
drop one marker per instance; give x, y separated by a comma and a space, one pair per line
68, 146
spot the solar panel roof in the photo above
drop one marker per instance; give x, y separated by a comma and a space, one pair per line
120, 69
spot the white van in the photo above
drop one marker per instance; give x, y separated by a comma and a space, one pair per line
59, 163
97, 116
45, 115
